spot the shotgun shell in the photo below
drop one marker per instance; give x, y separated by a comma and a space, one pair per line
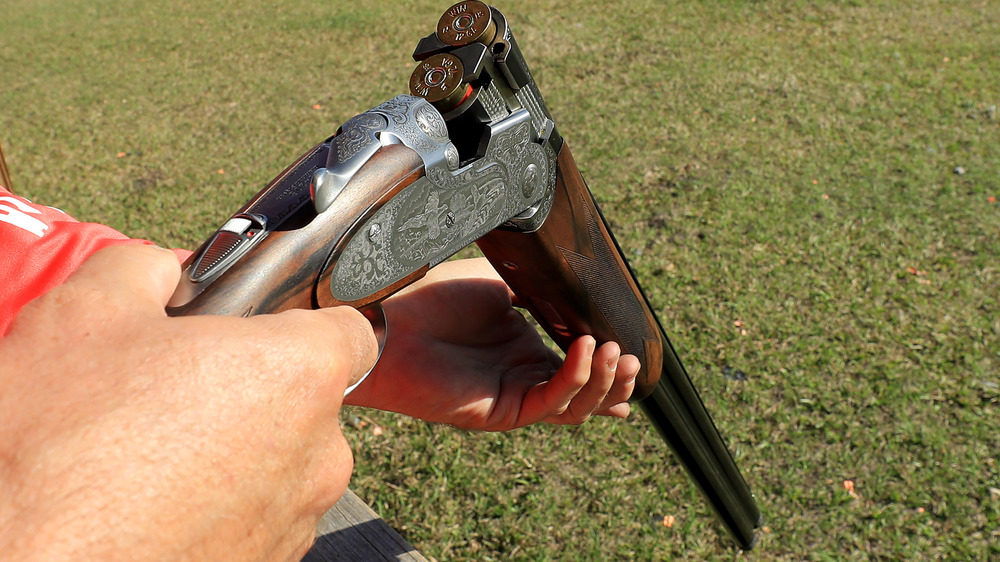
438, 79
465, 23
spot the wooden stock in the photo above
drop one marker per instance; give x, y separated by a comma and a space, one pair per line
572, 277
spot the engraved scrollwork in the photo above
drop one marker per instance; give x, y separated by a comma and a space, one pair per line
416, 122
510, 144
357, 134
431, 123
363, 266
432, 221
397, 109
448, 208
525, 161
451, 156
533, 173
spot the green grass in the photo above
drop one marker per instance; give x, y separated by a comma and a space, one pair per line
791, 166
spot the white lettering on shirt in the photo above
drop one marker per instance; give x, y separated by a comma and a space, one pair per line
18, 215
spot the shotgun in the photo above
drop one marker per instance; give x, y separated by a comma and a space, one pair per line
471, 154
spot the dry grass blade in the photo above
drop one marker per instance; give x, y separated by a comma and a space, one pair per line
4, 171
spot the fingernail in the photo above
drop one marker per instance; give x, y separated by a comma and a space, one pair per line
613, 363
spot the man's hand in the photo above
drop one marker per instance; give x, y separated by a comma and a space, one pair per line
457, 352
126, 434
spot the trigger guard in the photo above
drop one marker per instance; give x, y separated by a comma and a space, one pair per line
376, 316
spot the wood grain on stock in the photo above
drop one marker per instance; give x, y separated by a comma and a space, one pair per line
572, 277
281, 272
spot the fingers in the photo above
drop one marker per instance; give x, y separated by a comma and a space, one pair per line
336, 344
602, 377
143, 274
609, 383
550, 399
616, 404
358, 337
134, 282
115, 284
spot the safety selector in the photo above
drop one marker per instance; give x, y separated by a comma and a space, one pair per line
238, 235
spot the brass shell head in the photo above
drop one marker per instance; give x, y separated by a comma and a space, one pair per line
467, 22
438, 79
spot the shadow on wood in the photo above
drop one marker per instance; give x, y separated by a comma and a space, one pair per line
351, 531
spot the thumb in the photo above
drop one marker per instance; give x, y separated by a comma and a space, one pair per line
338, 342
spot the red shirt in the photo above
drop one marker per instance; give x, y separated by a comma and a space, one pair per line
39, 247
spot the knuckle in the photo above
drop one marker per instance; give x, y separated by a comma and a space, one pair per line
306, 540
332, 475
338, 338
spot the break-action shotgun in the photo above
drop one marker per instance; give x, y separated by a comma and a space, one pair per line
472, 154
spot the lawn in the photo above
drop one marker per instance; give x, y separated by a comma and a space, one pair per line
807, 190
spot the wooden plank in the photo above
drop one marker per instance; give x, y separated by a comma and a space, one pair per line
351, 531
